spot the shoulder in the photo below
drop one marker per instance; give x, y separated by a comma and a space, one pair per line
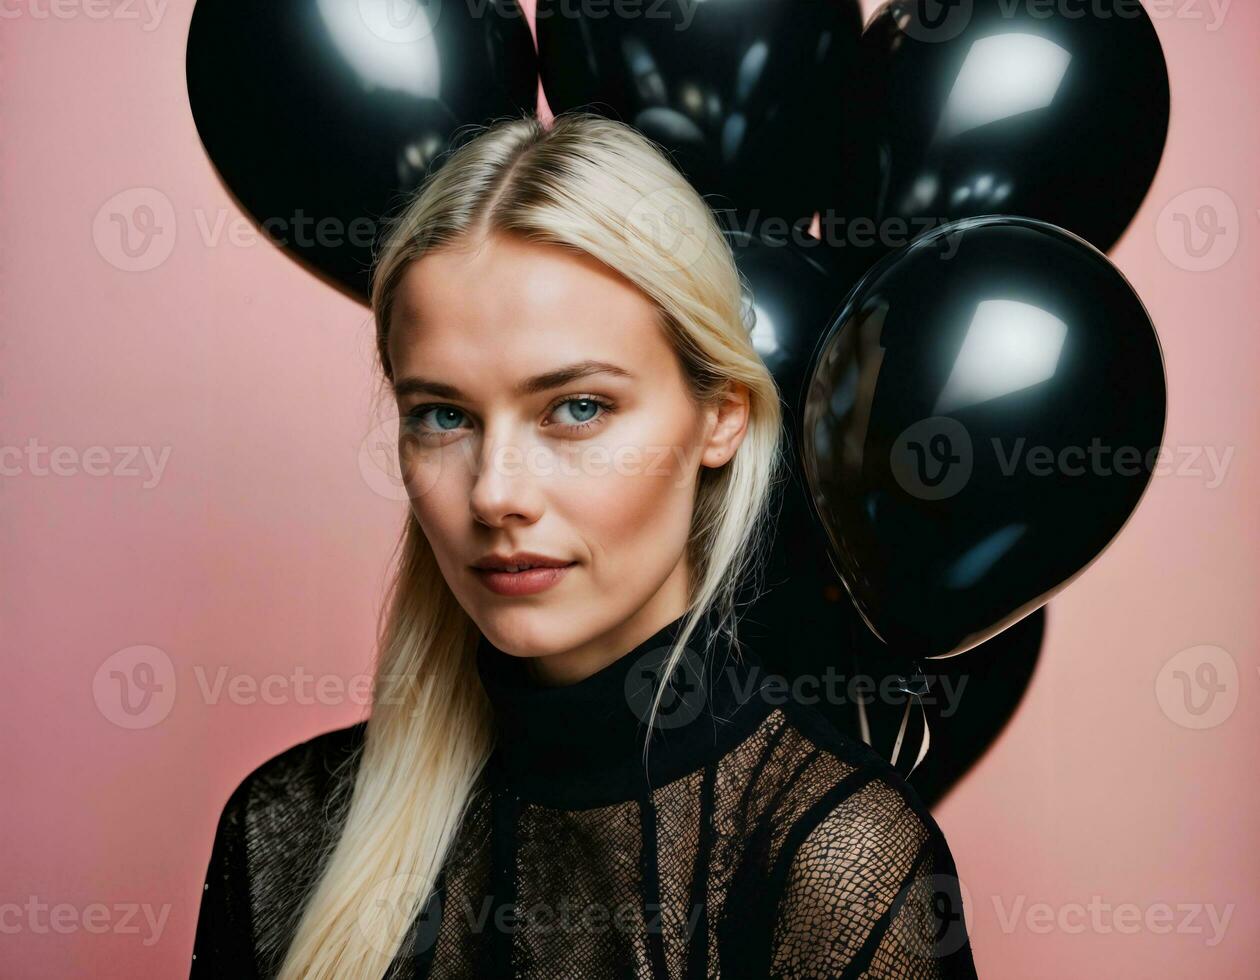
801, 780
270, 839
830, 770
294, 790
864, 875
846, 800
299, 772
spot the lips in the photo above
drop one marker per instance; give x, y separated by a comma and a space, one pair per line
518, 561
528, 581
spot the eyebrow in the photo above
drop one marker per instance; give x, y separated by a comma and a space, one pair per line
414, 385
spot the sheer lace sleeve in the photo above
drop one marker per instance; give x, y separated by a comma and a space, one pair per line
224, 942
872, 891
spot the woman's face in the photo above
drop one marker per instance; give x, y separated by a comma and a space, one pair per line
543, 411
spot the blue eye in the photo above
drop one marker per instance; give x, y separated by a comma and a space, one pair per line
444, 416
583, 408
447, 418
585, 411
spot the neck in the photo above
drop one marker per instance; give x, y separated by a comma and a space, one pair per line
582, 744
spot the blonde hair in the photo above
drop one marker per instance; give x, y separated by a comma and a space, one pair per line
602, 188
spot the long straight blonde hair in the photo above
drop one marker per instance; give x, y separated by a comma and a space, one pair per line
600, 187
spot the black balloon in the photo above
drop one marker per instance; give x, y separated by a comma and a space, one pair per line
981, 420
747, 95
320, 115
799, 615
1054, 111
790, 299
793, 287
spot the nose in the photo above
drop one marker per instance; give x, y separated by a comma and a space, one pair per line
505, 488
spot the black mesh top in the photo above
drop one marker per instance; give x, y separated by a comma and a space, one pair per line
757, 842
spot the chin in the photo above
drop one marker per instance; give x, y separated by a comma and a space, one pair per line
525, 631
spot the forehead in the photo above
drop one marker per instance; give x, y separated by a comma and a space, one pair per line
510, 308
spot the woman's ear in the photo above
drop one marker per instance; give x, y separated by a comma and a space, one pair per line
726, 421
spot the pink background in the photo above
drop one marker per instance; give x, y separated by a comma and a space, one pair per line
262, 548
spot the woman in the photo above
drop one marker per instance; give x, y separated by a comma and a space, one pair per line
571, 768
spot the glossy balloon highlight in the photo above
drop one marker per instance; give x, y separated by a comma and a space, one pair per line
981, 420
1053, 111
322, 115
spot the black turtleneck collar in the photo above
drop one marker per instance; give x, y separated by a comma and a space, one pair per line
581, 745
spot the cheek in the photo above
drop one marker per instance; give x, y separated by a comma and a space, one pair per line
639, 510
633, 511
438, 495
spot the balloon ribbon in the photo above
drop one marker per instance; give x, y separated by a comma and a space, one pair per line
914, 687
